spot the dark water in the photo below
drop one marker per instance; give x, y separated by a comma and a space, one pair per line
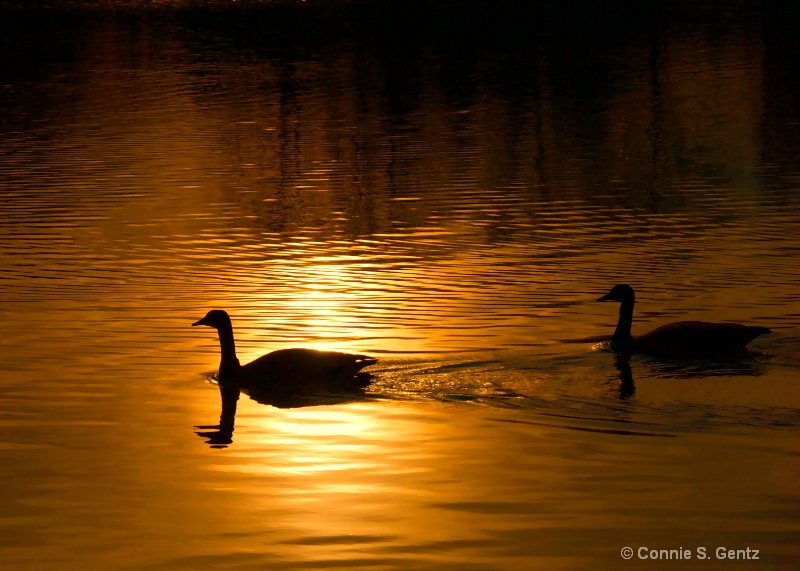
446, 188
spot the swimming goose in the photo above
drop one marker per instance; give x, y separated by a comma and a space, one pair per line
680, 339
286, 369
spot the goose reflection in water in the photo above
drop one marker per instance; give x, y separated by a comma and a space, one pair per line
730, 366
626, 386
221, 435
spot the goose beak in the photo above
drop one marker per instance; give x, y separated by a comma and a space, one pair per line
201, 322
604, 298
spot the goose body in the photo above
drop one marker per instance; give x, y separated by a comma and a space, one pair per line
680, 339
286, 369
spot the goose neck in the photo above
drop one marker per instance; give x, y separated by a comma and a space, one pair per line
229, 364
623, 331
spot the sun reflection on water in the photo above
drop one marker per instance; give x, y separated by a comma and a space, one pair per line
317, 440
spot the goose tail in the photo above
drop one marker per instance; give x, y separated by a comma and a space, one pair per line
755, 330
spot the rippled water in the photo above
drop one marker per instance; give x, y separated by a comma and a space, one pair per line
450, 203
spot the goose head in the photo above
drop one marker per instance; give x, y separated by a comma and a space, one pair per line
620, 292
216, 318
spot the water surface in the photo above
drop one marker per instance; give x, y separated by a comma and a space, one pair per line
450, 203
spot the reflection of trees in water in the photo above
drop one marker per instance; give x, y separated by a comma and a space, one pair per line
620, 101
368, 116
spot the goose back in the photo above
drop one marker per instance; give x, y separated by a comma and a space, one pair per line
296, 367
697, 338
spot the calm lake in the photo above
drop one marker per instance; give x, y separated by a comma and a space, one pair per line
447, 187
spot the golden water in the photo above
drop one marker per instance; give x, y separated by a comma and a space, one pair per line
453, 214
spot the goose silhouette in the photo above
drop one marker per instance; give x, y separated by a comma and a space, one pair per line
680, 339
286, 370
